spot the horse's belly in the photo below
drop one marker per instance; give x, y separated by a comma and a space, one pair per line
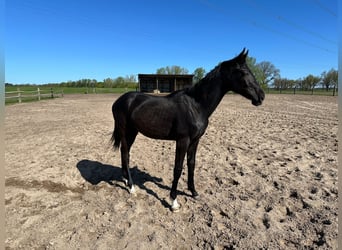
156, 124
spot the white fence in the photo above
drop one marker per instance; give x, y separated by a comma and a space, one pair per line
38, 94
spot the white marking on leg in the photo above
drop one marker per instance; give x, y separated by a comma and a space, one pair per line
175, 205
132, 190
125, 181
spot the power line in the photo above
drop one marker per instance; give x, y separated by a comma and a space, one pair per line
267, 28
323, 7
294, 38
291, 23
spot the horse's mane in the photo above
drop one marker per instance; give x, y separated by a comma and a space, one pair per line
204, 84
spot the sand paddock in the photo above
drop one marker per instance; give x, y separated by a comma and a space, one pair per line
267, 178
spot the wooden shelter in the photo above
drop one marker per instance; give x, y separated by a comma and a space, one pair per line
162, 83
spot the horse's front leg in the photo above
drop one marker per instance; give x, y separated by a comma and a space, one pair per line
181, 148
191, 158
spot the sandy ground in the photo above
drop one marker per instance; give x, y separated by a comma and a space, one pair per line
267, 178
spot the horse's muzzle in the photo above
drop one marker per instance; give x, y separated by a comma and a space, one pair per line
261, 97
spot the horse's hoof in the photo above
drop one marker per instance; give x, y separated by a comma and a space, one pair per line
194, 195
175, 206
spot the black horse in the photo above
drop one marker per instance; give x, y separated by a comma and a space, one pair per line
181, 116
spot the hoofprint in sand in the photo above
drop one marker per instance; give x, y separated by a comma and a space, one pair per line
267, 177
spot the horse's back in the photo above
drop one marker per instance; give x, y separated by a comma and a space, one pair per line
131, 100
131, 103
151, 115
124, 102
124, 99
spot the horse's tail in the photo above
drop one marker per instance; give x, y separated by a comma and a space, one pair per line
120, 110
116, 139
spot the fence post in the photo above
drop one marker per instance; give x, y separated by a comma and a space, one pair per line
38, 93
19, 95
51, 93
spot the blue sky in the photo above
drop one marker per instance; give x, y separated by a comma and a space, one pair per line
55, 41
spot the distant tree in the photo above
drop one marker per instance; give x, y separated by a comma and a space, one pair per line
70, 84
119, 82
92, 83
277, 83
283, 83
310, 82
264, 72
298, 83
280, 83
108, 83
198, 74
329, 79
131, 78
251, 62
172, 70
267, 72
291, 83
161, 71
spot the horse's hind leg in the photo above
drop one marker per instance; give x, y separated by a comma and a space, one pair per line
126, 143
191, 156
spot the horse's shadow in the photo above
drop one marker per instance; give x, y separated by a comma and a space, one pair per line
95, 172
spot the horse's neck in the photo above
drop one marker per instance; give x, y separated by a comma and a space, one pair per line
209, 93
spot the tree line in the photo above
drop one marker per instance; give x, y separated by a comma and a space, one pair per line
265, 72
327, 80
129, 81
269, 77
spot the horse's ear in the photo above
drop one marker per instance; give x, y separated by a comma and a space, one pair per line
246, 53
241, 58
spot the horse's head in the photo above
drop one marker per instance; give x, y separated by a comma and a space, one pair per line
240, 78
